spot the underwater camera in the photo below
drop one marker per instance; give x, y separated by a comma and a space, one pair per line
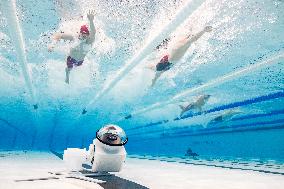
105, 154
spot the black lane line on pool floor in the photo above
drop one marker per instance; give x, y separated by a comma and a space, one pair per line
212, 165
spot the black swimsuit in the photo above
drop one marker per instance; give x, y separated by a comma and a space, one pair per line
164, 64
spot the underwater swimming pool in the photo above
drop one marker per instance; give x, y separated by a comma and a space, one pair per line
196, 81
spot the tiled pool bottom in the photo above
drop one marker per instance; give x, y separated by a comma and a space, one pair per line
149, 171
263, 166
178, 173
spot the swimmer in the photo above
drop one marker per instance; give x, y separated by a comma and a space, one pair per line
81, 46
175, 55
226, 116
190, 153
197, 104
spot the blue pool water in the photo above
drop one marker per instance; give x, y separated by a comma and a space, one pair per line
240, 64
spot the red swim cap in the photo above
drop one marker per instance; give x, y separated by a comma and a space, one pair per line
84, 29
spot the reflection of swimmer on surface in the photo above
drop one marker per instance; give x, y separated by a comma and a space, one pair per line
197, 104
226, 116
81, 46
110, 136
175, 55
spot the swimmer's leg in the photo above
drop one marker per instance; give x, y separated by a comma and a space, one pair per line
181, 113
157, 75
199, 109
67, 74
180, 50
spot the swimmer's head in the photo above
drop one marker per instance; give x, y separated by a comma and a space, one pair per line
84, 32
206, 97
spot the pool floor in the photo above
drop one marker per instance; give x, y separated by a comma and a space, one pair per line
17, 165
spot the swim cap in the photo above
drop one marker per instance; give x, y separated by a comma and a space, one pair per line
84, 29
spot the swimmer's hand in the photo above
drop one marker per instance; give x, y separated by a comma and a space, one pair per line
91, 15
57, 36
50, 47
208, 29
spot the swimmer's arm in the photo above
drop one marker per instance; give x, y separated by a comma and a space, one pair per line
199, 34
56, 37
152, 63
151, 67
92, 26
152, 60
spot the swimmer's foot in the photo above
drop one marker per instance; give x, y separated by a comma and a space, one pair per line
208, 28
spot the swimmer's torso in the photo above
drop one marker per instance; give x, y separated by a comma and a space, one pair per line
200, 101
80, 49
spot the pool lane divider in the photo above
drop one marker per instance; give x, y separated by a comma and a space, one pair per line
189, 131
253, 116
216, 127
7, 123
273, 59
9, 10
179, 18
256, 126
225, 107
